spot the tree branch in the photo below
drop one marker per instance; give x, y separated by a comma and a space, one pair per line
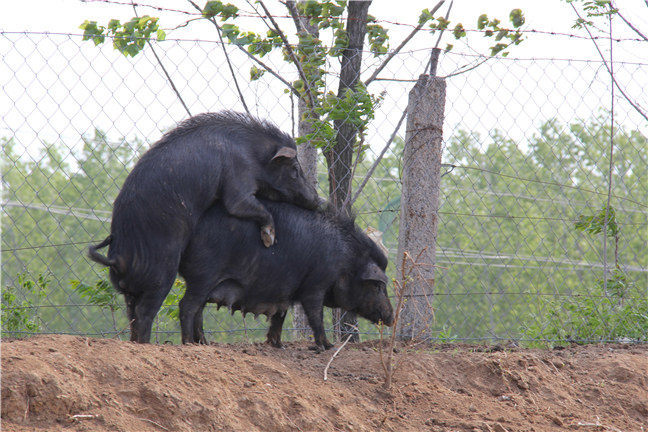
631, 26
378, 159
294, 13
256, 60
637, 108
229, 64
402, 44
291, 54
163, 68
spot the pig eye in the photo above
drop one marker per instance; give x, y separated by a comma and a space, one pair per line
294, 171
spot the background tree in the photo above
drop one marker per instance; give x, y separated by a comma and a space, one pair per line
335, 123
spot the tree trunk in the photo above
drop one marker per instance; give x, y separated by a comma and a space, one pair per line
306, 153
420, 204
339, 158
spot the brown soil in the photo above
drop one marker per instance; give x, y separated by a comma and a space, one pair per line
52, 383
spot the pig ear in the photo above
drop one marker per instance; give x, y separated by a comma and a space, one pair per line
284, 153
372, 272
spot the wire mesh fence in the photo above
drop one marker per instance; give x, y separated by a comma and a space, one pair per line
526, 148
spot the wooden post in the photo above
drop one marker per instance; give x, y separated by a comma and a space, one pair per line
421, 179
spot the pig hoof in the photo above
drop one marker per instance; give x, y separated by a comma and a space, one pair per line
275, 344
268, 235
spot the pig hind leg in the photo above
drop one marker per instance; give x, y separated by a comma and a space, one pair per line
147, 305
274, 332
130, 313
191, 310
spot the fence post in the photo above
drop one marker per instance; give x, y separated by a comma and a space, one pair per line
421, 177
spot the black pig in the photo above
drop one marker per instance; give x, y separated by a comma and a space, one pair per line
322, 259
224, 156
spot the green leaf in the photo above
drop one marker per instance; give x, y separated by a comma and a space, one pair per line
256, 73
212, 8
517, 17
501, 34
459, 31
425, 16
495, 49
482, 21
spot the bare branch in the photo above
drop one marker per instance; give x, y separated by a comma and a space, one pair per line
256, 60
436, 45
229, 64
434, 58
631, 26
378, 159
294, 13
637, 108
291, 54
163, 68
402, 44
469, 69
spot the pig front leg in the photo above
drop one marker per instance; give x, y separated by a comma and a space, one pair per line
274, 332
246, 206
314, 310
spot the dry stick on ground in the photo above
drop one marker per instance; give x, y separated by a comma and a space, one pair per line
336, 353
390, 365
83, 417
152, 422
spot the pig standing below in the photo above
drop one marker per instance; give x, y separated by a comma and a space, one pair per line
224, 156
321, 259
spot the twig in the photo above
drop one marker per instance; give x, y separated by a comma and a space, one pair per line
434, 58
84, 416
152, 422
294, 13
597, 425
291, 54
163, 68
402, 44
635, 106
334, 354
26, 409
378, 159
229, 64
124, 329
251, 56
347, 200
630, 25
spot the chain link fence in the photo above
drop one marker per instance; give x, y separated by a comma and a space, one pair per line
526, 148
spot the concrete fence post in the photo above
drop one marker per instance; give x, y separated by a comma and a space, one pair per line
421, 177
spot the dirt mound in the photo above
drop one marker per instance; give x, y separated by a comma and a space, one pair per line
52, 383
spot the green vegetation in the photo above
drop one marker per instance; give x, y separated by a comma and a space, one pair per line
520, 234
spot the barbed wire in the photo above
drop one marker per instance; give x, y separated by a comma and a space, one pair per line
250, 14
364, 51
